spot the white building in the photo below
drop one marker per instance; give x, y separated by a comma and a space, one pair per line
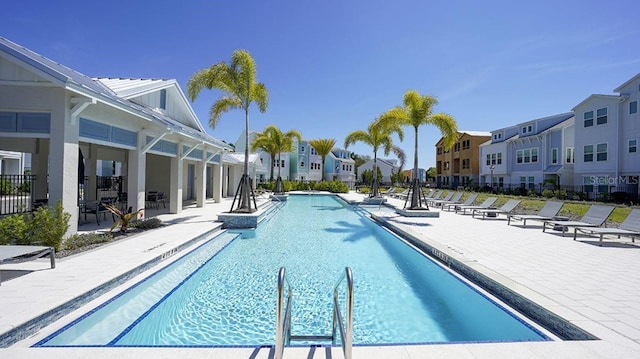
387, 167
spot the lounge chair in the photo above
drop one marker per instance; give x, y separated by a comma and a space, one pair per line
467, 202
19, 254
401, 195
389, 192
440, 202
506, 208
595, 217
433, 201
546, 213
484, 205
629, 227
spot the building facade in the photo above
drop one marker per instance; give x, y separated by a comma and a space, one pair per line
459, 166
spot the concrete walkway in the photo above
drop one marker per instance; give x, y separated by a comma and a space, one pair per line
595, 288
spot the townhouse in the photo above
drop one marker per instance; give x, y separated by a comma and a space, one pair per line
459, 166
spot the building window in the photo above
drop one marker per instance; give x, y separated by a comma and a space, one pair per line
518, 156
499, 158
523, 182
554, 156
633, 107
601, 150
527, 129
488, 159
282, 163
456, 147
602, 116
493, 158
302, 164
633, 146
439, 150
569, 152
588, 153
534, 155
446, 165
527, 156
588, 119
302, 149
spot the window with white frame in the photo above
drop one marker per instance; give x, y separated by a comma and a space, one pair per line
588, 153
499, 161
588, 119
493, 158
569, 155
633, 146
302, 164
633, 107
302, 149
527, 129
519, 156
488, 159
554, 156
601, 114
534, 155
601, 152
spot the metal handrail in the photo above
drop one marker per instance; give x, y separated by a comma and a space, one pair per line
346, 328
283, 322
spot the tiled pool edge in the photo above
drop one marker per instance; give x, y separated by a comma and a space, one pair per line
551, 321
25, 330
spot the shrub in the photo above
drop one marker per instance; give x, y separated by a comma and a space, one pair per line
547, 193
49, 225
85, 239
146, 224
14, 230
334, 186
25, 187
6, 187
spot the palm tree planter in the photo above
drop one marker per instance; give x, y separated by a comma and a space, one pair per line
237, 80
416, 111
378, 135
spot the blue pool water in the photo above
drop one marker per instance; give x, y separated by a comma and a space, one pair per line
224, 292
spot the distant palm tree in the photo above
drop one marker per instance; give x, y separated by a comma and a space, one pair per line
264, 142
237, 80
323, 146
378, 135
417, 111
273, 138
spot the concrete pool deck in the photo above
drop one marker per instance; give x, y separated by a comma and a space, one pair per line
595, 288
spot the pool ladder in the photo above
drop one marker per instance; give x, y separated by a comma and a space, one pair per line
283, 317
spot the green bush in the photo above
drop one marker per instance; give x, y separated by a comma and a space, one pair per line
6, 187
14, 230
24, 187
146, 224
85, 239
48, 225
334, 186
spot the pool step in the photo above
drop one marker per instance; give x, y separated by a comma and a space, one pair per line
310, 337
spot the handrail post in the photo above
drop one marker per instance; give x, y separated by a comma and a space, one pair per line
348, 340
279, 317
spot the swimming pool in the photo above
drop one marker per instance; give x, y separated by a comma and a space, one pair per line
224, 292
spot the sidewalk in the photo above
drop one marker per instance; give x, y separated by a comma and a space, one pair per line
596, 288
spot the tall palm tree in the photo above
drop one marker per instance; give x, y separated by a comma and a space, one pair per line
323, 146
378, 135
416, 111
237, 81
280, 142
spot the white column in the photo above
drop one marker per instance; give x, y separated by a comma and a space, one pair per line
63, 150
136, 175
201, 175
175, 185
217, 182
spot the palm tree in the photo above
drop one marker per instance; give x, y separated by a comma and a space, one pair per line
417, 111
378, 135
265, 143
280, 142
237, 80
323, 146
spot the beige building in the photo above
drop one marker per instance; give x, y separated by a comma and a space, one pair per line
459, 166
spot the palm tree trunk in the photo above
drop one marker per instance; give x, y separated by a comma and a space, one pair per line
279, 188
273, 162
415, 183
374, 182
244, 203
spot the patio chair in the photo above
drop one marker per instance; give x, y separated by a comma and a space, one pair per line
97, 208
595, 217
467, 202
19, 254
454, 198
434, 202
506, 208
546, 213
484, 205
154, 198
629, 227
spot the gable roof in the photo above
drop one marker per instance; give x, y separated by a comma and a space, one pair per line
591, 97
619, 88
83, 85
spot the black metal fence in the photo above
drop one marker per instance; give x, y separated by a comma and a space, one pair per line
16, 193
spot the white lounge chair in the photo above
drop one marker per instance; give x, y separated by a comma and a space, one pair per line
467, 202
506, 208
435, 202
19, 254
595, 217
630, 227
546, 213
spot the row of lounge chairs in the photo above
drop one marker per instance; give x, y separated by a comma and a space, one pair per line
590, 224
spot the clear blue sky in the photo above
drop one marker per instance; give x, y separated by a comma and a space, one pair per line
332, 66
